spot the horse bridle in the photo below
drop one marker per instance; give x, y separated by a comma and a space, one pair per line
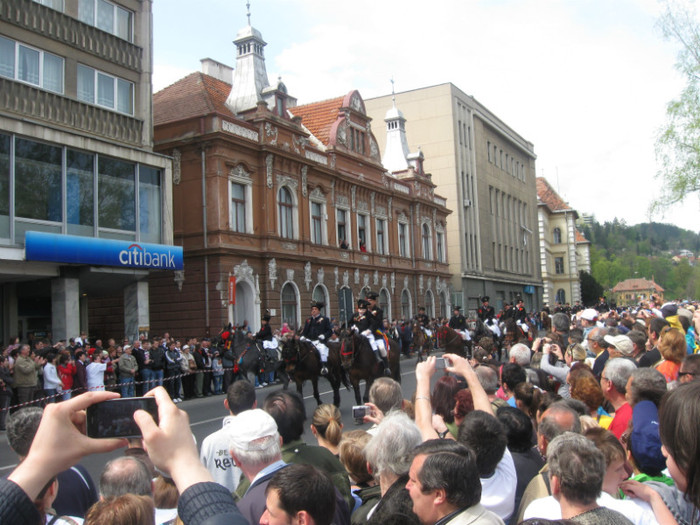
455, 338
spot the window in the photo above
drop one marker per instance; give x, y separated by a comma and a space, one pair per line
108, 17
429, 302
427, 241
150, 204
5, 141
289, 305
341, 219
286, 212
384, 303
30, 65
238, 210
357, 140
80, 193
53, 4
440, 247
116, 202
561, 296
96, 87
558, 265
38, 192
488, 150
557, 236
381, 236
405, 305
403, 239
319, 296
362, 231
316, 222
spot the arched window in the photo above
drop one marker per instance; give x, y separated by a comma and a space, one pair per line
286, 212
289, 305
384, 303
429, 304
443, 305
405, 305
561, 296
557, 235
320, 295
427, 241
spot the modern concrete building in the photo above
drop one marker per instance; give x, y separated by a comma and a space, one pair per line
564, 251
85, 204
487, 172
277, 205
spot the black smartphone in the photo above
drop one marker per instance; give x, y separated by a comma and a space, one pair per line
115, 417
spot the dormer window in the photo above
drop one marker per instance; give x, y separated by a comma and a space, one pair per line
357, 140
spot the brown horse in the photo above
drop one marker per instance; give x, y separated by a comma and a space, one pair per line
422, 344
360, 363
450, 341
303, 362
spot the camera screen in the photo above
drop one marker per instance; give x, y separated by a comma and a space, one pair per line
359, 412
115, 417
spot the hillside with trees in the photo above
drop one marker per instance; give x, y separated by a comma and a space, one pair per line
620, 252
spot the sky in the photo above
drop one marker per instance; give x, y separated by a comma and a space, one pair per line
586, 81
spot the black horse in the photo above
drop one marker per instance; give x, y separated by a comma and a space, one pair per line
360, 363
303, 362
247, 358
422, 344
451, 342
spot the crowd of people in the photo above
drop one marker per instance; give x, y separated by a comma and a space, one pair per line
594, 422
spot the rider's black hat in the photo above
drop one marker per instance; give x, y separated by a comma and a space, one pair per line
485, 299
456, 307
266, 317
372, 295
317, 304
362, 303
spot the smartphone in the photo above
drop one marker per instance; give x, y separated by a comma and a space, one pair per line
115, 418
359, 412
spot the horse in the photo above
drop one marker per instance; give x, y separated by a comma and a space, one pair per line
451, 342
247, 363
421, 342
303, 362
360, 363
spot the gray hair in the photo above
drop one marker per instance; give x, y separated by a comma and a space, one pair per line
647, 384
265, 452
520, 353
390, 449
125, 475
488, 378
618, 371
579, 465
386, 394
561, 322
550, 428
598, 335
21, 429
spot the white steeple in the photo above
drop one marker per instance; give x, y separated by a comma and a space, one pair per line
396, 150
249, 76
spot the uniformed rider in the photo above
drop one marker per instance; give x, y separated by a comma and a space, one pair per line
424, 321
265, 334
365, 323
317, 330
487, 314
520, 315
459, 323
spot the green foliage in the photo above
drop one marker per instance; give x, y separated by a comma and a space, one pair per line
620, 252
591, 289
678, 145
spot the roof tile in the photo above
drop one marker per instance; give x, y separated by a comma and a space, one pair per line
636, 284
547, 195
319, 117
195, 95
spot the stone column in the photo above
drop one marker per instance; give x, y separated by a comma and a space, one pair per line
65, 309
135, 309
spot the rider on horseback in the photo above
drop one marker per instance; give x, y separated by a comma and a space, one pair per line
424, 321
377, 329
364, 322
488, 315
458, 323
520, 315
317, 330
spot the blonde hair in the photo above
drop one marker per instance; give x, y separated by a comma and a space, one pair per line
328, 423
672, 344
352, 455
128, 509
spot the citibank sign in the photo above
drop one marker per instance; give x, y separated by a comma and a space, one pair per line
52, 247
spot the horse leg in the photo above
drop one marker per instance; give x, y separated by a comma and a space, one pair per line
356, 388
317, 397
368, 385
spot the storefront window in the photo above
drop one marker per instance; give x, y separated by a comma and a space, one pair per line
80, 193
149, 204
5, 186
38, 181
116, 202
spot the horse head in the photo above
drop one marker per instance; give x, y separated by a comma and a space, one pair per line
347, 348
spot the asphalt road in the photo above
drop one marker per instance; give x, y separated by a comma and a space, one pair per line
206, 415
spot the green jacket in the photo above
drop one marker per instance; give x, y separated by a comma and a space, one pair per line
25, 372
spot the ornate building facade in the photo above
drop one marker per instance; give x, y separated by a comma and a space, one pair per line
277, 205
487, 172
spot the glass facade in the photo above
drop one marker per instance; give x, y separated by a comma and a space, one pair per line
47, 187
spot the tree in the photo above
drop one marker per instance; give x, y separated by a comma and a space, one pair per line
678, 146
590, 289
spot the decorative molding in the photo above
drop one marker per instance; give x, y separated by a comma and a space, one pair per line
365, 280
344, 255
362, 206
179, 278
346, 278
383, 280
434, 219
286, 180
243, 271
405, 282
418, 214
353, 192
401, 188
393, 281
402, 217
356, 103
373, 148
335, 273
375, 278
372, 197
390, 202
304, 179
320, 275
333, 192
430, 283
333, 159
272, 272
341, 134
381, 211
269, 159
383, 260
240, 131
300, 142
307, 275
239, 173
289, 246
177, 166
365, 258
290, 274
342, 200
317, 194
357, 276
271, 133
317, 157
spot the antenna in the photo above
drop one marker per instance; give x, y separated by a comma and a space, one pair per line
393, 93
248, 9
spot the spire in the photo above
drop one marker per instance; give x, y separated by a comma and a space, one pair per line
396, 150
250, 75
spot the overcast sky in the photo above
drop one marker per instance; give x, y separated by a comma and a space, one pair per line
586, 81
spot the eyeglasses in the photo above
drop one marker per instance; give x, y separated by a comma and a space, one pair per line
681, 374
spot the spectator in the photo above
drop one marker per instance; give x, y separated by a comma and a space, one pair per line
488, 378
288, 411
327, 427
645, 384
613, 382
690, 369
365, 489
672, 348
653, 355
444, 487
512, 375
96, 372
52, 383
599, 347
171, 365
80, 379
66, 371
127, 368
6, 382
26, 374
443, 401
385, 395
388, 456
299, 494
644, 445
127, 509
215, 455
